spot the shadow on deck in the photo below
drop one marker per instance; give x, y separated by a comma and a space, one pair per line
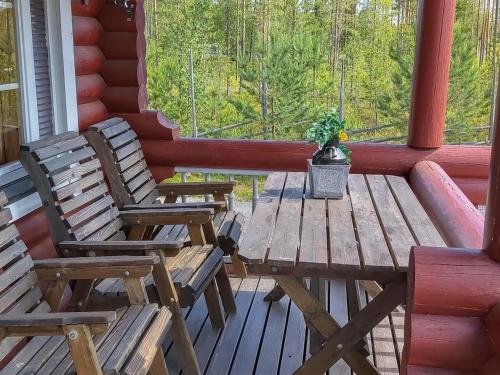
264, 338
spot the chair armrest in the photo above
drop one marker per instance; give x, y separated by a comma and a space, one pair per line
88, 268
56, 319
166, 216
195, 188
38, 324
216, 206
116, 246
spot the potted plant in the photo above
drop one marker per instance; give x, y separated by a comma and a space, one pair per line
330, 165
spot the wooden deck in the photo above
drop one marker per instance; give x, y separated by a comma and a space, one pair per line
264, 338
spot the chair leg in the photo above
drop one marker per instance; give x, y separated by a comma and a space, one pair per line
213, 306
238, 266
158, 366
180, 335
82, 349
225, 290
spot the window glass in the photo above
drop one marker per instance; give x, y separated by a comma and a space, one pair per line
9, 95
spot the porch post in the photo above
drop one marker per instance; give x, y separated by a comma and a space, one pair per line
491, 239
430, 74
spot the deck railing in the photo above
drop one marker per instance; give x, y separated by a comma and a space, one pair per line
231, 175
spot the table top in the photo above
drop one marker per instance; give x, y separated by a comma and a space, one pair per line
371, 229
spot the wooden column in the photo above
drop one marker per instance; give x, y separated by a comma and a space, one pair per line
491, 238
431, 71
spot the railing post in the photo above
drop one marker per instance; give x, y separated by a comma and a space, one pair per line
255, 191
183, 179
207, 179
230, 198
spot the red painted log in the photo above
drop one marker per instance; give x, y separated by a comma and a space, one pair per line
114, 18
120, 73
278, 155
492, 367
89, 88
88, 60
87, 31
476, 189
119, 45
449, 342
90, 114
493, 326
458, 220
90, 9
447, 281
161, 173
421, 370
149, 124
35, 233
431, 71
121, 99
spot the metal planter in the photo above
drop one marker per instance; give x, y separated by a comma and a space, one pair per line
328, 181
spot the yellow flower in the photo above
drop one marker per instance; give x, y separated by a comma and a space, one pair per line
343, 136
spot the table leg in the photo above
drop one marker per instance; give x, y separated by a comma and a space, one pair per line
318, 290
341, 342
354, 306
275, 295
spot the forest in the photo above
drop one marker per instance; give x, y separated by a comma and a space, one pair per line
266, 69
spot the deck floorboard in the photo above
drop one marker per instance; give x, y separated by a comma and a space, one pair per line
264, 338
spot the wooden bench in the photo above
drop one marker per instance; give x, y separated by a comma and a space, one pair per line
84, 220
132, 184
127, 341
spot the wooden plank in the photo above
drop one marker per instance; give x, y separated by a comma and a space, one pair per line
398, 235
248, 348
129, 161
16, 365
222, 354
108, 231
8, 234
138, 181
286, 241
17, 290
87, 196
116, 129
44, 353
97, 223
313, 243
75, 171
106, 123
273, 337
260, 229
295, 340
144, 191
123, 152
376, 254
15, 272
130, 339
55, 164
123, 139
344, 247
12, 252
78, 186
398, 331
383, 348
134, 171
60, 148
420, 224
89, 211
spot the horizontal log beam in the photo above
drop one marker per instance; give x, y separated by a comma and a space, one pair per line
458, 220
458, 343
447, 281
457, 161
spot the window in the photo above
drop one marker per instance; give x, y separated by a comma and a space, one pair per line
9, 86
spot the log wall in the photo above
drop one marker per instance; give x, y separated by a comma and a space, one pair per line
89, 61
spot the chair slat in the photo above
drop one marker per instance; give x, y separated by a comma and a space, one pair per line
65, 160
62, 147
78, 186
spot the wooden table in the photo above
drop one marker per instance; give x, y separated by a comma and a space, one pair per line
365, 236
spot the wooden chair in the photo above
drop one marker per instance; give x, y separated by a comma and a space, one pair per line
84, 219
127, 341
132, 185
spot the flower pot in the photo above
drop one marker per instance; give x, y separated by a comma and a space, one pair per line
328, 181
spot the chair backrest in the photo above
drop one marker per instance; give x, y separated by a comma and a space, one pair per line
123, 161
69, 178
19, 290
22, 197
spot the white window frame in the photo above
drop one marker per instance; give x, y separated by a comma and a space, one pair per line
59, 28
